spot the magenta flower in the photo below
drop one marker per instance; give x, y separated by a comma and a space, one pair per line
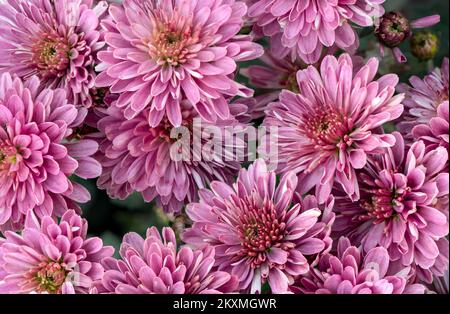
328, 129
55, 40
399, 190
424, 97
136, 157
38, 153
353, 272
258, 234
165, 53
304, 28
392, 29
51, 257
154, 265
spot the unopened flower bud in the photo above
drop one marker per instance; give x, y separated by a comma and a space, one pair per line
424, 45
394, 28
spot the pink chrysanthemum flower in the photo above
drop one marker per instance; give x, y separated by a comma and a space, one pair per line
55, 40
424, 97
304, 28
164, 53
399, 190
258, 234
326, 131
392, 29
137, 157
154, 265
353, 272
51, 257
38, 153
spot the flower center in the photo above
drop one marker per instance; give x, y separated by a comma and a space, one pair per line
164, 129
260, 229
171, 39
51, 55
8, 155
291, 83
327, 131
382, 204
50, 276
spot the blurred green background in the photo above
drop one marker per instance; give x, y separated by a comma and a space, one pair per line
111, 219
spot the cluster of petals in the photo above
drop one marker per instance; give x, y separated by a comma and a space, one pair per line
304, 28
153, 265
427, 103
400, 190
164, 53
436, 132
259, 234
50, 257
273, 75
136, 157
327, 130
329, 177
39, 152
56, 40
351, 271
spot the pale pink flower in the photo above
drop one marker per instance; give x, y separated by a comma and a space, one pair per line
138, 158
397, 210
51, 257
353, 272
39, 152
327, 130
258, 233
164, 53
154, 265
424, 97
303, 28
55, 40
